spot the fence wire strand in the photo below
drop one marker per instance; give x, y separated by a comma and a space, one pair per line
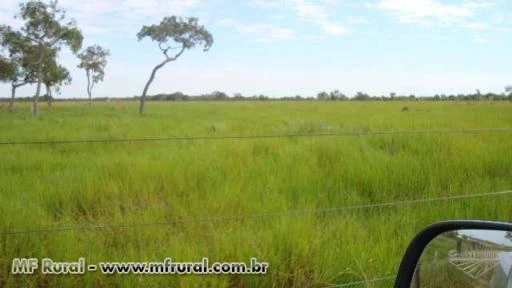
255, 216
254, 137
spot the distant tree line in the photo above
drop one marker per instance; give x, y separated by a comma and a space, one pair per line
322, 96
361, 96
331, 96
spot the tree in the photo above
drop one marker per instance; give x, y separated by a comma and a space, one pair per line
322, 95
218, 95
478, 94
93, 60
177, 34
45, 28
7, 69
360, 96
22, 59
22, 55
337, 95
54, 75
19, 68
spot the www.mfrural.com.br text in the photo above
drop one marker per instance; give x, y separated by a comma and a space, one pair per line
29, 266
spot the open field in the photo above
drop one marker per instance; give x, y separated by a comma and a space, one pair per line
81, 185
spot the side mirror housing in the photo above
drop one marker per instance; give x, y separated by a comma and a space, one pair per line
459, 254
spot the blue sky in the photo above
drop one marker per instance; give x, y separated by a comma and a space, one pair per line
290, 47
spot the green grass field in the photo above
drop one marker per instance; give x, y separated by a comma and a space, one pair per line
82, 185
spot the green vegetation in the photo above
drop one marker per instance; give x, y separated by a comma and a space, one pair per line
81, 185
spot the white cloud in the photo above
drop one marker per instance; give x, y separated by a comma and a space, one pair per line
317, 14
424, 11
260, 32
227, 22
332, 2
265, 3
265, 33
481, 39
157, 7
307, 11
357, 20
8, 9
116, 18
8, 19
466, 14
500, 18
94, 7
478, 26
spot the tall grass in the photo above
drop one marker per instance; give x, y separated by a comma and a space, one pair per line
134, 183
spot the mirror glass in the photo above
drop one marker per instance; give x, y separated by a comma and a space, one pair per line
466, 258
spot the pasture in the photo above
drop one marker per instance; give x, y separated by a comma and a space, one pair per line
137, 190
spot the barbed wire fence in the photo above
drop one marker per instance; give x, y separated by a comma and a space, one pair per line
268, 215
263, 215
233, 218
255, 137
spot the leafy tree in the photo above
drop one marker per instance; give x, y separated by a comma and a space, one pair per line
7, 69
177, 34
218, 95
322, 96
20, 63
360, 96
93, 60
176, 96
263, 97
337, 95
54, 75
45, 27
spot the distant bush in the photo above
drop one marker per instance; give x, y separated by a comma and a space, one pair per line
360, 96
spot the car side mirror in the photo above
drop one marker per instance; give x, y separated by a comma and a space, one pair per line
459, 254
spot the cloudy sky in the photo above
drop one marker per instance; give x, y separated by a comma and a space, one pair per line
289, 47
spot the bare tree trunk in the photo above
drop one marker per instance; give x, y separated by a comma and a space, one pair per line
14, 86
89, 92
35, 108
13, 94
49, 95
152, 77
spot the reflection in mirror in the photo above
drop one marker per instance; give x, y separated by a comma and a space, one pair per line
466, 258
